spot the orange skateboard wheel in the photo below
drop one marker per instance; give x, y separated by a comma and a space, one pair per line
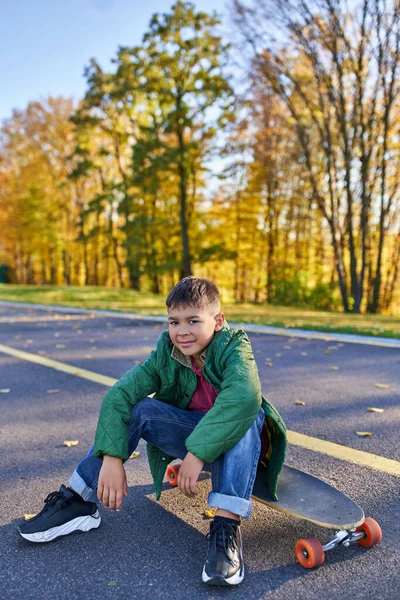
172, 474
309, 553
373, 533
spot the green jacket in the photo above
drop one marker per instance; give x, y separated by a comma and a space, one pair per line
230, 368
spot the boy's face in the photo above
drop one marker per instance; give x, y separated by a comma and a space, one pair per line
191, 329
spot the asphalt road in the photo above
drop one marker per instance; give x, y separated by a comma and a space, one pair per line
156, 549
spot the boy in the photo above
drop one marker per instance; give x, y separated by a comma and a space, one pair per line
207, 410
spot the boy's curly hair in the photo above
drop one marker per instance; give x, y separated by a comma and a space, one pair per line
193, 291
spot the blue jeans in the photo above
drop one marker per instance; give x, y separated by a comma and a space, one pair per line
167, 427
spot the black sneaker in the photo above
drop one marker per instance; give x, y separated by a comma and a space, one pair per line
64, 512
224, 562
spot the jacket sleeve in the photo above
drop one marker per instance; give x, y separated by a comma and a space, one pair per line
111, 436
235, 410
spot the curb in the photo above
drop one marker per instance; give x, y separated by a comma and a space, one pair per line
260, 329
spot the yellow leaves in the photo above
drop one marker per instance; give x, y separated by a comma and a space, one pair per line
328, 352
53, 391
334, 368
5, 391
70, 443
269, 364
363, 433
300, 403
134, 454
383, 386
138, 362
375, 410
88, 356
28, 516
210, 513
278, 354
58, 346
57, 334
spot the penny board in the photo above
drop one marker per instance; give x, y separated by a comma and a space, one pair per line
303, 496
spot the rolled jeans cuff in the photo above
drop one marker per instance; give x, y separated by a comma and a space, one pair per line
236, 505
80, 486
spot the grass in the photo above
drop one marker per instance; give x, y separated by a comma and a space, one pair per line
149, 304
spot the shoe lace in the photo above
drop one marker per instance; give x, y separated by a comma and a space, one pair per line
53, 498
226, 536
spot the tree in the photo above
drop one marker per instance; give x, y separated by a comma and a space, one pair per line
337, 73
178, 69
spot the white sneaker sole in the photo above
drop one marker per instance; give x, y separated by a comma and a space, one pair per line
234, 580
79, 524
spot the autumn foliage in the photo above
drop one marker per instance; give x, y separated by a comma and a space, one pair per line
286, 193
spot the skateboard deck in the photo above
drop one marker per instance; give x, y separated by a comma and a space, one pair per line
303, 496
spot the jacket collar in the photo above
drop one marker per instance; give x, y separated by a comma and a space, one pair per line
186, 361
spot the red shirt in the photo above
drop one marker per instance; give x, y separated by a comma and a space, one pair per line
204, 396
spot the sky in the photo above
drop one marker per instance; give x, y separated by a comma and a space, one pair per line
45, 44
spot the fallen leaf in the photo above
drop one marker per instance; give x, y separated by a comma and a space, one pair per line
60, 345
70, 443
57, 334
29, 342
79, 331
328, 352
210, 512
42, 352
335, 368
5, 391
28, 516
135, 454
332, 347
363, 433
300, 403
269, 364
304, 353
287, 347
17, 337
88, 356
112, 583
376, 410
53, 391
278, 354
92, 341
383, 386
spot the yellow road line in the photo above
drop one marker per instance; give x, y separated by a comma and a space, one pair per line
359, 457
365, 459
59, 366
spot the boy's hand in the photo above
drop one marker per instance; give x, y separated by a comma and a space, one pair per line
112, 485
188, 475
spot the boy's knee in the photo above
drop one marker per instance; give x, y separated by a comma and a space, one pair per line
143, 409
